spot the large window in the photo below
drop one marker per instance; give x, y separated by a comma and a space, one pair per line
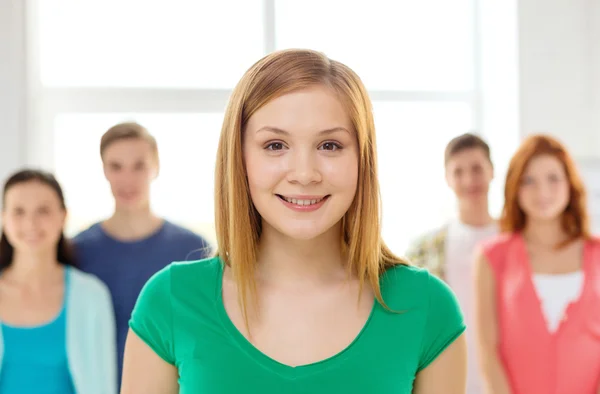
171, 68
184, 189
187, 44
400, 45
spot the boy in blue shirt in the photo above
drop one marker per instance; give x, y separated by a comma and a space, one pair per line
126, 249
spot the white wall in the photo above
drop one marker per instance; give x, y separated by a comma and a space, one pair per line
559, 87
499, 81
594, 45
554, 87
12, 87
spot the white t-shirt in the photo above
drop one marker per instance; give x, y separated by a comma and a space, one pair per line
556, 292
461, 243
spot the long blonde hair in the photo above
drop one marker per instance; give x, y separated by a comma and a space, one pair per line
238, 224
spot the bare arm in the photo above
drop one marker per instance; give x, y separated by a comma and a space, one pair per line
144, 372
495, 380
447, 373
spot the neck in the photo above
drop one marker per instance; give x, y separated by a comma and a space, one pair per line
544, 233
143, 210
475, 214
285, 261
129, 224
32, 269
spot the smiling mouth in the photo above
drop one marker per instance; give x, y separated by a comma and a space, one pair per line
302, 202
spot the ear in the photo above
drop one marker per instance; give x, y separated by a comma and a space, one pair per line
156, 169
104, 168
447, 176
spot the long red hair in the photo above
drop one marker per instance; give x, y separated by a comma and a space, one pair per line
575, 219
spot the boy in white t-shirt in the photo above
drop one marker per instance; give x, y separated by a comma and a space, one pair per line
448, 251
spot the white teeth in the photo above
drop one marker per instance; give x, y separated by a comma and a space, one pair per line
302, 202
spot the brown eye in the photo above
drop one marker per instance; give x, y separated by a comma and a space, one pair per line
332, 146
274, 146
527, 180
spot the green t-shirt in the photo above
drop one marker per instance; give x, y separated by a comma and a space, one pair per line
180, 315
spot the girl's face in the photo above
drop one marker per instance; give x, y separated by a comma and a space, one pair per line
544, 191
301, 156
33, 217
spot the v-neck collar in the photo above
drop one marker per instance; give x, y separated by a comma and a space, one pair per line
574, 306
284, 370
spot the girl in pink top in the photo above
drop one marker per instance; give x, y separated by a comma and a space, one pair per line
538, 284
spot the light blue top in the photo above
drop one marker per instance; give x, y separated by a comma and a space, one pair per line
89, 340
37, 354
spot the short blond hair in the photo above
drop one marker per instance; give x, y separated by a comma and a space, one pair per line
127, 131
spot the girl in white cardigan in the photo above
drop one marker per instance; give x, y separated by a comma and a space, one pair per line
57, 332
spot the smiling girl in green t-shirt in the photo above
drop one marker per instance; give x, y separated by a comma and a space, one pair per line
303, 296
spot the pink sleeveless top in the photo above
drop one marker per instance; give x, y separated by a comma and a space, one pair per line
536, 360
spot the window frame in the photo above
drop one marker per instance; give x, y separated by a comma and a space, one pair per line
48, 102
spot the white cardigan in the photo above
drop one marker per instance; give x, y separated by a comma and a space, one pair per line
91, 343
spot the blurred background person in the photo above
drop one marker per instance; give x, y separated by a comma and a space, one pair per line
537, 283
126, 249
57, 323
448, 251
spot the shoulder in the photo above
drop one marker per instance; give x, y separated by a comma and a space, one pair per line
592, 248
90, 234
594, 241
493, 254
403, 275
170, 297
405, 286
203, 269
498, 244
87, 285
427, 307
427, 250
179, 278
175, 232
426, 244
405, 282
431, 236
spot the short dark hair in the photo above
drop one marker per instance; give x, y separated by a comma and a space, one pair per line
64, 250
464, 142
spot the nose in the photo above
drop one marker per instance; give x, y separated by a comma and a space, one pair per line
474, 176
468, 178
31, 222
304, 168
544, 189
127, 177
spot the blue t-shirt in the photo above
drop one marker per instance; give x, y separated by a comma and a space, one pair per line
35, 358
125, 266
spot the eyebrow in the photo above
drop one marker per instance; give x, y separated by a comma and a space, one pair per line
283, 132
